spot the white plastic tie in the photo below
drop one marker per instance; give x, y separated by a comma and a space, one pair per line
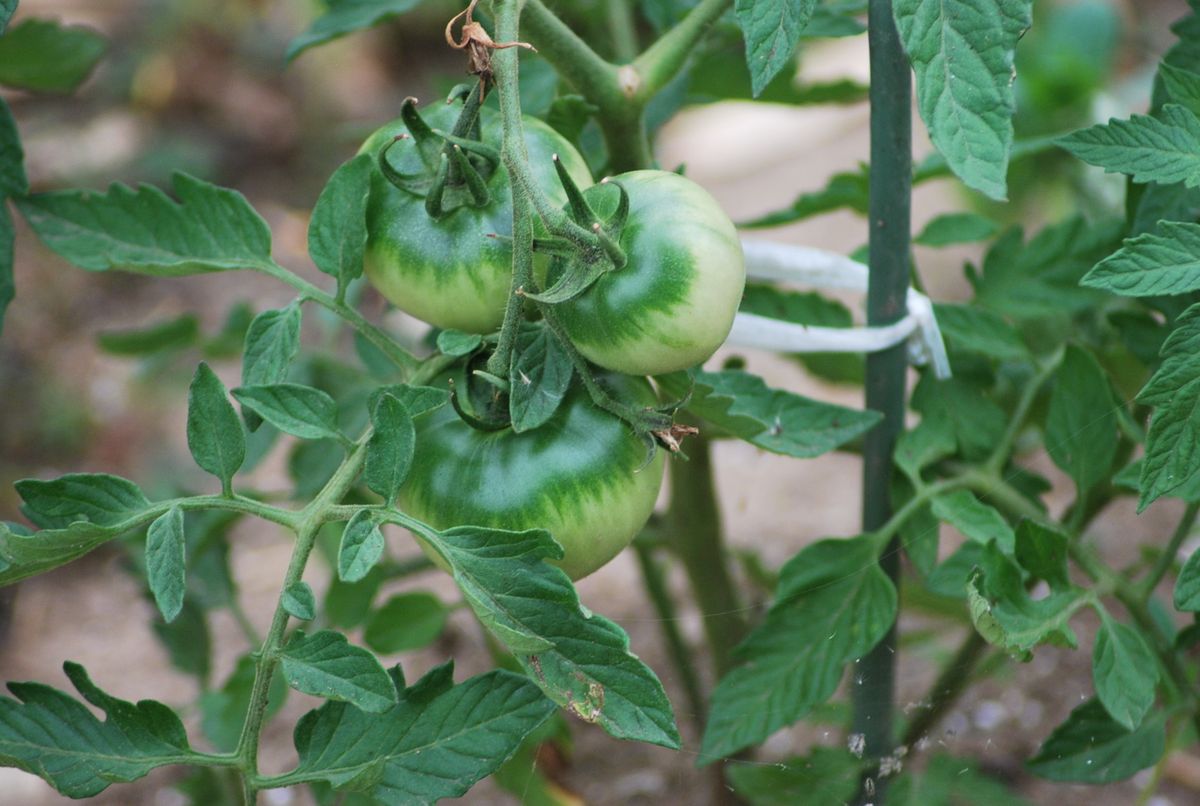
802, 265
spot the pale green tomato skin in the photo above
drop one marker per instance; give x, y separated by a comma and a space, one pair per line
449, 272
582, 476
672, 305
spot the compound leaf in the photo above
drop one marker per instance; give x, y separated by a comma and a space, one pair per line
1125, 672
539, 380
145, 231
361, 547
390, 448
337, 231
580, 660
771, 29
832, 605
54, 736
166, 562
1154, 263
1081, 427
1090, 747
95, 498
293, 408
214, 433
771, 419
345, 17
435, 742
962, 53
975, 519
326, 665
405, 621
44, 56
1163, 149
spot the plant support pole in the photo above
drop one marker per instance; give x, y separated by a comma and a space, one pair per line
889, 208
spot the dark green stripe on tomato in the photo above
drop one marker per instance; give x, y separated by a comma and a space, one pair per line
580, 476
448, 272
672, 305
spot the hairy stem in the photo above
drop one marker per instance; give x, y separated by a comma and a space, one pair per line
681, 658
663, 60
889, 217
694, 523
312, 517
622, 29
402, 358
1004, 447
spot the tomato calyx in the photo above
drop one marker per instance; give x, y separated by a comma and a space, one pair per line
579, 262
450, 169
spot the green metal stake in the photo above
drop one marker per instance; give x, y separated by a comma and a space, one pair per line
889, 221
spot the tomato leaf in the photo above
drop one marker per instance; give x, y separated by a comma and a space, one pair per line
772, 419
417, 400
345, 17
44, 56
975, 519
580, 660
976, 330
843, 191
54, 736
145, 231
337, 231
1081, 426
293, 408
1182, 86
962, 54
94, 498
1187, 586
170, 334
405, 621
435, 742
7, 7
8, 287
1092, 748
1125, 672
825, 775
326, 665
833, 604
361, 547
1163, 149
1172, 457
538, 382
771, 29
390, 448
457, 343
271, 344
299, 602
214, 433
955, 228
931, 440
166, 562
1153, 263
1042, 551
13, 181
1005, 615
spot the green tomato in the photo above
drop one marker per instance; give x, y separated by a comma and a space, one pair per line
672, 305
582, 476
448, 272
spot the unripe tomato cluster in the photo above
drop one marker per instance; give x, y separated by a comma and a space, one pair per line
583, 474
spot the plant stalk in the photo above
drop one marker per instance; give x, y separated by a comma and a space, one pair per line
660, 597
1168, 556
890, 224
311, 520
694, 528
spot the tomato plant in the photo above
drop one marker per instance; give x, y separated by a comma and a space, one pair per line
440, 489
453, 271
672, 304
